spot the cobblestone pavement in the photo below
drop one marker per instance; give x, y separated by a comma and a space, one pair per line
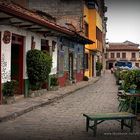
24, 105
63, 120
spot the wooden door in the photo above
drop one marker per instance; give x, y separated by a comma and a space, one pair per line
17, 61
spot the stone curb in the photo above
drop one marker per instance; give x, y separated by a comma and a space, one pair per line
28, 109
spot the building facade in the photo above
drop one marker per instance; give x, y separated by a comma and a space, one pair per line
83, 16
125, 51
94, 19
22, 30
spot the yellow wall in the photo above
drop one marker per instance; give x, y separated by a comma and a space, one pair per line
93, 19
88, 72
86, 14
99, 21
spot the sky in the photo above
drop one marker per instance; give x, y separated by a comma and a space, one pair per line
123, 20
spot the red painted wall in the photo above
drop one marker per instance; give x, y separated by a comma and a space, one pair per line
79, 76
62, 80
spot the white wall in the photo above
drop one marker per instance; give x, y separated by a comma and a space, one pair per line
6, 50
5, 59
54, 54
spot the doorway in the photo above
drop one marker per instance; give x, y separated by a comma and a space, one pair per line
17, 61
110, 65
71, 66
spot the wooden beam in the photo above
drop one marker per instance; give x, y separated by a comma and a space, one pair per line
5, 21
25, 26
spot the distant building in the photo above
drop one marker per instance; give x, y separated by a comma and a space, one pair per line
125, 51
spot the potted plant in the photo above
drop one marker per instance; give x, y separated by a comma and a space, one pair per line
9, 89
85, 78
99, 67
54, 83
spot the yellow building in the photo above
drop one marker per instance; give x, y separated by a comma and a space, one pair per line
93, 27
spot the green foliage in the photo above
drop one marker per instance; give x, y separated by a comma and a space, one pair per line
99, 67
85, 78
117, 76
9, 88
39, 65
53, 81
131, 79
133, 86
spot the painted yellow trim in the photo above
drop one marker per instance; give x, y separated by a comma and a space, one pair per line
86, 14
99, 21
94, 20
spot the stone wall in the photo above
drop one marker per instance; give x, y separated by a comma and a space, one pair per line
23, 3
65, 11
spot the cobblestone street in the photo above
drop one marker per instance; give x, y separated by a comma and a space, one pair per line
63, 120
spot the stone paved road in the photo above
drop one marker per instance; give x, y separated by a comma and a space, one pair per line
63, 119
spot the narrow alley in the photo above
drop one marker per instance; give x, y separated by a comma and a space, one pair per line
63, 120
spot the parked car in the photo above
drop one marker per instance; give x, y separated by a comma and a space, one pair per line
120, 64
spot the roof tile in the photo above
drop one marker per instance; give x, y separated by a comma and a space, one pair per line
125, 46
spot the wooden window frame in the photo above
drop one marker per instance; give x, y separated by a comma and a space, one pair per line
133, 55
112, 55
123, 55
118, 55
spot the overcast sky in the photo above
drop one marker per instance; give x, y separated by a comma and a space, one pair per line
123, 20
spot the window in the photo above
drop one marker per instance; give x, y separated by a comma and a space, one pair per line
123, 55
86, 29
137, 65
118, 55
133, 55
45, 45
86, 60
99, 34
112, 55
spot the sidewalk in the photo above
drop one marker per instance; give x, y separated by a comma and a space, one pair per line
24, 105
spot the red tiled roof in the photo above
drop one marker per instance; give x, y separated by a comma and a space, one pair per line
26, 14
125, 46
16, 10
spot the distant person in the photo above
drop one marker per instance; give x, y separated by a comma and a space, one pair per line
112, 70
